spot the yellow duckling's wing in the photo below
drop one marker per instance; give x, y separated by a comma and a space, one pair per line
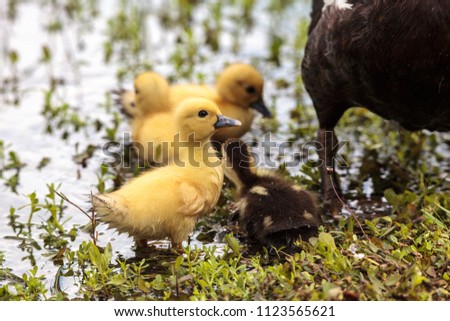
200, 190
192, 202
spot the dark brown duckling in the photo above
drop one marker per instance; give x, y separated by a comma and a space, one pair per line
272, 211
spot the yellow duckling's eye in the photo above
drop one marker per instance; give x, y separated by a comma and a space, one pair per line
202, 113
250, 90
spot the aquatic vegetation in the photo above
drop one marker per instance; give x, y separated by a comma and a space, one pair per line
10, 162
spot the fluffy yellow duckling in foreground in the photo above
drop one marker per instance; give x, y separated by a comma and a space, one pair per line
238, 92
167, 201
152, 125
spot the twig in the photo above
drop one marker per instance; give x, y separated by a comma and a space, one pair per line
65, 198
94, 234
330, 171
91, 217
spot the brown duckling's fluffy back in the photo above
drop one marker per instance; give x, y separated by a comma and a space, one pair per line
276, 212
272, 210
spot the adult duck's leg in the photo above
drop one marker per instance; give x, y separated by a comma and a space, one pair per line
327, 150
328, 146
331, 190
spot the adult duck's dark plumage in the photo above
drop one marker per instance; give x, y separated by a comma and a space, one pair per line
390, 56
272, 210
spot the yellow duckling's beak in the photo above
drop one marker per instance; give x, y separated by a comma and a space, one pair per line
259, 106
224, 121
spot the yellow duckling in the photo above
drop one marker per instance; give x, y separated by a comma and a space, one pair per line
272, 211
237, 92
152, 125
167, 201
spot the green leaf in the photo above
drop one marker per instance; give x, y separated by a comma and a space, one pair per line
108, 253
327, 240
376, 283
233, 243
96, 258
178, 262
13, 57
431, 218
417, 279
392, 198
393, 279
117, 280
141, 285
